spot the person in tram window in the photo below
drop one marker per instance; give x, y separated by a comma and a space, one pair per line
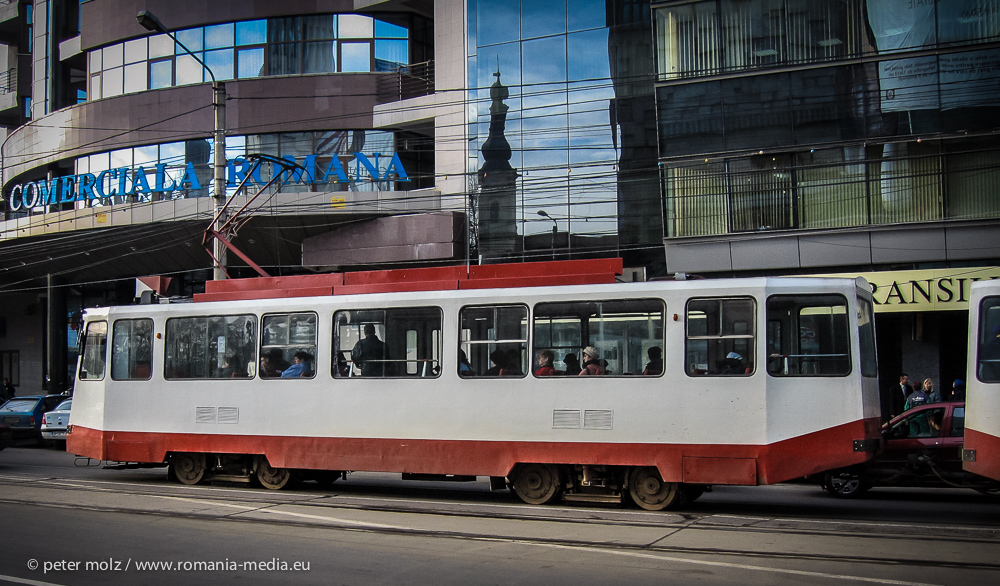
592, 364
497, 358
343, 369
733, 364
267, 369
301, 366
572, 364
370, 353
464, 368
510, 364
655, 365
933, 395
232, 367
545, 359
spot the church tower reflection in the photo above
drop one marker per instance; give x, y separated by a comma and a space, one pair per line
497, 201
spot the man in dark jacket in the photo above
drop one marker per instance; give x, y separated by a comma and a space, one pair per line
370, 353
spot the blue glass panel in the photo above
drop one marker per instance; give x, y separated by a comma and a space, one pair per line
251, 63
251, 32
385, 30
585, 14
219, 36
161, 74
192, 38
539, 19
319, 57
499, 21
543, 61
221, 63
392, 51
588, 55
355, 57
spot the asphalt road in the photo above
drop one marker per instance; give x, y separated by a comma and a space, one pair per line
88, 525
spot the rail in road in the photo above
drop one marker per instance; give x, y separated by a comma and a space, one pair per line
720, 536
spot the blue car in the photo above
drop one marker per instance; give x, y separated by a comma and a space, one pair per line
24, 414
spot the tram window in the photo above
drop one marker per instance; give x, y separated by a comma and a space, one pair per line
95, 351
866, 333
627, 333
808, 335
132, 349
494, 339
721, 337
988, 353
288, 340
401, 342
210, 347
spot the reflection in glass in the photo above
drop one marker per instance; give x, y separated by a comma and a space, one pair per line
135, 50
191, 38
539, 19
189, 70
221, 63
356, 26
498, 21
355, 57
161, 74
251, 63
114, 56
251, 32
160, 46
219, 36
113, 82
385, 30
135, 77
393, 52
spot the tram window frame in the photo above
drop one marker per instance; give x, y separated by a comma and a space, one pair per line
470, 341
727, 339
210, 366
789, 355
137, 347
626, 354
98, 361
424, 354
988, 340
287, 345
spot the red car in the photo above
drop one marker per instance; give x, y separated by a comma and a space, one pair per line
921, 447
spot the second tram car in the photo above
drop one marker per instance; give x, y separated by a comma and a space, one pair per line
981, 452
740, 381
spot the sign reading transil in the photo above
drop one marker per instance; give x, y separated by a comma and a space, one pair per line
128, 181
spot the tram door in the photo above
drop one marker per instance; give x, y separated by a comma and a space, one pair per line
981, 453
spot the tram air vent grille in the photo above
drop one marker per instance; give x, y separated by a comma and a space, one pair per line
229, 414
598, 419
204, 414
566, 419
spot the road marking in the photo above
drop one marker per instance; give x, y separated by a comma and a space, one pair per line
259, 509
17, 580
728, 565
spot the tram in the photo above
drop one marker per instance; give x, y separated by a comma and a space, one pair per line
981, 451
435, 375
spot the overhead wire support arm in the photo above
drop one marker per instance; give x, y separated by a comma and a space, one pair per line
233, 222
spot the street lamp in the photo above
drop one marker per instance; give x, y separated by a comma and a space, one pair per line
149, 22
555, 230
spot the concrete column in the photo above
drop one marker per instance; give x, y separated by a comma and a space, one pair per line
55, 351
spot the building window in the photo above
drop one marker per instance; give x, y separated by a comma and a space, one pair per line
279, 46
10, 366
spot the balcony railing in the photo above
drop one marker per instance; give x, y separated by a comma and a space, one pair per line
8, 79
407, 81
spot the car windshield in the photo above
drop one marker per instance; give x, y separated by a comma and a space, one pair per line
65, 405
19, 405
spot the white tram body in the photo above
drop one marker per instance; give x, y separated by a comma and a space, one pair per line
804, 397
981, 451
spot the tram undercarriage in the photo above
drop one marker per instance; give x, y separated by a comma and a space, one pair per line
533, 483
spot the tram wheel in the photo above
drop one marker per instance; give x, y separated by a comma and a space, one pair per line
188, 468
271, 477
535, 484
649, 491
846, 485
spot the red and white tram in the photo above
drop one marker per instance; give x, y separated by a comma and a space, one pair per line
761, 380
981, 452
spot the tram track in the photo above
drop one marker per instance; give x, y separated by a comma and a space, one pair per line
347, 512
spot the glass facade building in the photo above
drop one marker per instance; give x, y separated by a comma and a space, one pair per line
822, 114
580, 121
